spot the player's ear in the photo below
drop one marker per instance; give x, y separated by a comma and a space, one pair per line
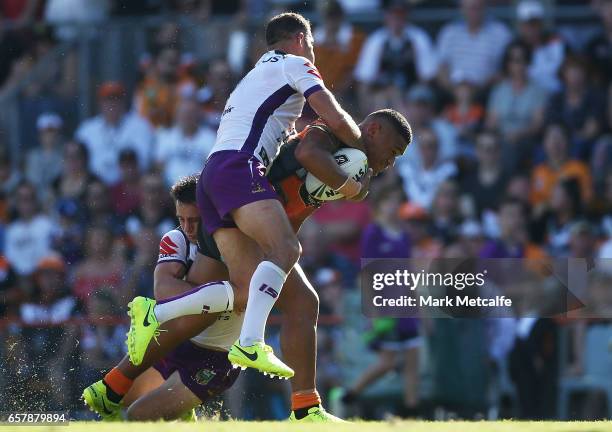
372, 128
300, 38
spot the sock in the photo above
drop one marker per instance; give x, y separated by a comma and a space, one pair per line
208, 298
302, 401
117, 384
264, 289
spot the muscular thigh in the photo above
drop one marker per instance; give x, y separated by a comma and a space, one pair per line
241, 255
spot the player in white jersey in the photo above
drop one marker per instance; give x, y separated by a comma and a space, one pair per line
195, 370
239, 206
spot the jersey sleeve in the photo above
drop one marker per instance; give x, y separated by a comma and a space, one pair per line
173, 247
303, 76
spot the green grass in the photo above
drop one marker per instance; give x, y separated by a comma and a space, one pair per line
390, 426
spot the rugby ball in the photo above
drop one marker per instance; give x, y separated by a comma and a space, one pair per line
352, 161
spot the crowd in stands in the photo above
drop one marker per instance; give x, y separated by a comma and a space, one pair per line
511, 158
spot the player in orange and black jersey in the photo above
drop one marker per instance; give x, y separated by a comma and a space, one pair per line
386, 135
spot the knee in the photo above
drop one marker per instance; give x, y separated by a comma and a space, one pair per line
286, 253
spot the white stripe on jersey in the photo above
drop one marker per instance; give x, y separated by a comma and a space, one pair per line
261, 111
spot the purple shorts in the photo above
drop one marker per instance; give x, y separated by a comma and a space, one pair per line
205, 372
230, 179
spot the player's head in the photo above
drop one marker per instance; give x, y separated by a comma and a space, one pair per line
291, 33
183, 193
386, 135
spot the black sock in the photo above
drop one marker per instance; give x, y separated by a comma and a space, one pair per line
300, 413
112, 396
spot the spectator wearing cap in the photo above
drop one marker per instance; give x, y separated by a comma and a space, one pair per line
547, 48
393, 58
557, 167
45, 164
183, 148
473, 46
113, 130
421, 181
337, 47
158, 94
599, 48
125, 194
517, 104
28, 237
419, 106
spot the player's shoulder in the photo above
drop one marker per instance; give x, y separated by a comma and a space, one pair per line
173, 241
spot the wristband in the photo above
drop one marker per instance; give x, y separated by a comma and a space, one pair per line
349, 188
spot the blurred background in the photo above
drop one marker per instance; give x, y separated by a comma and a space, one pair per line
105, 103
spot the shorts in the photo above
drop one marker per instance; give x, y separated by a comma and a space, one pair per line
205, 372
404, 336
230, 179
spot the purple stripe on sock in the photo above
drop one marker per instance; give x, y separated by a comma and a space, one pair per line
187, 293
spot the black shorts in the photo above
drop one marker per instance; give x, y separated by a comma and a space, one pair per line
207, 245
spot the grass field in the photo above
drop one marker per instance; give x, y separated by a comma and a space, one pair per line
390, 426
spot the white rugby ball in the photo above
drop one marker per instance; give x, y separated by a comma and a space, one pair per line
352, 161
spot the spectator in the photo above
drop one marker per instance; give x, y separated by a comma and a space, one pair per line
421, 181
578, 105
473, 46
45, 164
445, 212
317, 254
10, 177
465, 112
393, 58
28, 237
513, 238
564, 209
516, 105
113, 130
101, 274
417, 223
548, 49
125, 195
213, 97
157, 96
482, 184
420, 108
337, 47
599, 48
182, 149
139, 278
71, 185
11, 294
98, 210
69, 232
154, 209
51, 348
558, 166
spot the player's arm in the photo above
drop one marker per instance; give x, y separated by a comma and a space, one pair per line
304, 77
339, 121
171, 266
315, 153
168, 280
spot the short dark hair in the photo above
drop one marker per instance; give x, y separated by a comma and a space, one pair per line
184, 190
285, 25
397, 121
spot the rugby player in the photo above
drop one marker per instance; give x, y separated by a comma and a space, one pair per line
386, 135
239, 206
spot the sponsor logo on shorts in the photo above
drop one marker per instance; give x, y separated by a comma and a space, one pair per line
204, 376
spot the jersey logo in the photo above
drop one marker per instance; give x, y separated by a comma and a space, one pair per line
313, 70
167, 246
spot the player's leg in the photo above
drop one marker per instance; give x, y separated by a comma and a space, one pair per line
171, 400
104, 396
145, 383
385, 364
411, 377
265, 222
